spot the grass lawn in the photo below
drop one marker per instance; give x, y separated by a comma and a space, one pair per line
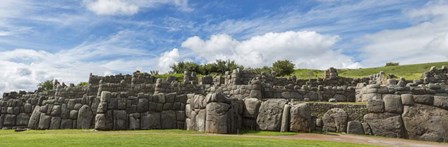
151, 138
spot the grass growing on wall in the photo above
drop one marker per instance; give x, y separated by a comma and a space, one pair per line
147, 138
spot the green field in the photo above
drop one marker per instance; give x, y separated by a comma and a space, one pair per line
151, 138
409, 72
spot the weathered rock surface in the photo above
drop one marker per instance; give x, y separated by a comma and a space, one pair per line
251, 108
424, 122
355, 127
84, 117
335, 120
300, 118
385, 124
269, 116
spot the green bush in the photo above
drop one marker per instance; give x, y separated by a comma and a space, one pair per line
283, 67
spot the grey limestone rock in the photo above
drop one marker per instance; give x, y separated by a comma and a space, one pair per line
335, 120
270, 114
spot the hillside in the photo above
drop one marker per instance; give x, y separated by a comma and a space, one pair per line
409, 72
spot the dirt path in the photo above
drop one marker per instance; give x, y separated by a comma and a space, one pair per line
366, 140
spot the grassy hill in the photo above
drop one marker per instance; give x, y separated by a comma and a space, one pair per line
409, 72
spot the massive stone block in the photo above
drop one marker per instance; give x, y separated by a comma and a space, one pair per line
44, 121
217, 118
168, 119
55, 122
22, 119
335, 120
150, 120
251, 106
424, 122
33, 123
10, 120
284, 127
300, 118
385, 124
375, 106
424, 99
85, 117
120, 118
392, 103
355, 127
441, 102
270, 114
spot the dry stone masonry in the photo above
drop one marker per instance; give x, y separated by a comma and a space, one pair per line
240, 100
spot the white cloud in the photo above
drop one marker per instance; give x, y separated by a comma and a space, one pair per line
23, 69
167, 59
306, 49
426, 41
130, 7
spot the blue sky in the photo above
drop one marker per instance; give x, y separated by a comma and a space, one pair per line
68, 39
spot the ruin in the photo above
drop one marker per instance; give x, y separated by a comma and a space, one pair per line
240, 100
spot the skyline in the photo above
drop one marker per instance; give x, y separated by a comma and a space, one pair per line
67, 40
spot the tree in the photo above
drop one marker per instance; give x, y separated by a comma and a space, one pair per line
46, 85
184, 66
283, 67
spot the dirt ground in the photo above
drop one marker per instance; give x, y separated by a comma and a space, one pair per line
382, 141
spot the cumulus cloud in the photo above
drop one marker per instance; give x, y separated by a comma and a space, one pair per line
426, 41
23, 69
130, 7
304, 48
167, 59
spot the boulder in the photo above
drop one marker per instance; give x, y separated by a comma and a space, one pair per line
355, 127
199, 123
28, 108
375, 106
300, 120
168, 119
120, 120
284, 127
385, 124
270, 114
150, 120
73, 114
424, 122
217, 118
66, 124
424, 99
44, 121
56, 111
22, 119
134, 121
100, 122
10, 120
407, 99
55, 122
33, 122
392, 103
251, 106
142, 105
84, 117
441, 102
335, 120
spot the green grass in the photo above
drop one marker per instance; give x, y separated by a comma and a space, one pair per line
266, 133
149, 138
409, 72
